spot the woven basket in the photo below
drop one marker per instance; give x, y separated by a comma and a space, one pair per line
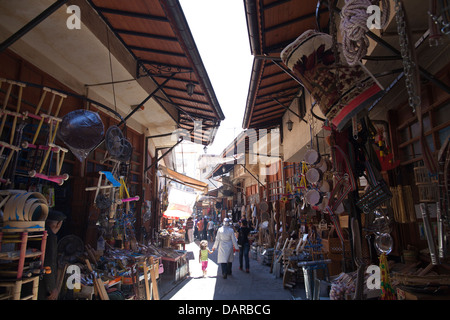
422, 176
332, 243
428, 192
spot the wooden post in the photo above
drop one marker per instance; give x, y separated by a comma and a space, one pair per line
153, 277
147, 287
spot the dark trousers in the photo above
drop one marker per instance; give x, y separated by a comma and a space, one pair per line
226, 268
243, 256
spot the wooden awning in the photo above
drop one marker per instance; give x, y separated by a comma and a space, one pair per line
185, 180
156, 33
272, 25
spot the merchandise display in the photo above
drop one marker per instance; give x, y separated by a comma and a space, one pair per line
335, 182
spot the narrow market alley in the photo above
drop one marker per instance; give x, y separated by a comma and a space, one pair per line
258, 284
312, 134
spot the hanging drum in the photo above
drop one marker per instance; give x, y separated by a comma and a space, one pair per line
313, 175
323, 165
341, 91
325, 186
312, 157
81, 131
313, 197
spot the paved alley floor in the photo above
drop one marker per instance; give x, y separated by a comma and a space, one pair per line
259, 284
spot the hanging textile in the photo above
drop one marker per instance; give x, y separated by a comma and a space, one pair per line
387, 292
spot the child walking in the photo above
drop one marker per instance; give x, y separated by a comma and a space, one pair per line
203, 256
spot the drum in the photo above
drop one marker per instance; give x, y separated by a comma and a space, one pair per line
312, 60
340, 209
324, 165
313, 197
323, 204
313, 175
312, 157
325, 186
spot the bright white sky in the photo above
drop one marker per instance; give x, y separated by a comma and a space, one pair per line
220, 32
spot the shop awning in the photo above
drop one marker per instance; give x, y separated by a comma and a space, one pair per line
185, 180
272, 25
176, 214
177, 211
220, 169
157, 34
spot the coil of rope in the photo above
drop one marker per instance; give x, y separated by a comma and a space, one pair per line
18, 205
353, 25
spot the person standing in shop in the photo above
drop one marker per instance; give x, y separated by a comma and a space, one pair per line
48, 287
211, 230
190, 229
225, 242
244, 245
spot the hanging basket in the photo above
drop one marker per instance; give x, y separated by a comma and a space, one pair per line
428, 192
332, 243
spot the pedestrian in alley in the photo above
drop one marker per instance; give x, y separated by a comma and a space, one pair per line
244, 245
203, 256
190, 229
200, 226
225, 242
211, 230
205, 229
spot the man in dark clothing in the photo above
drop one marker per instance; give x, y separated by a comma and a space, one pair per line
48, 289
205, 229
244, 245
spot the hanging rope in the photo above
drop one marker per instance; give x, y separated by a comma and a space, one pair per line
354, 18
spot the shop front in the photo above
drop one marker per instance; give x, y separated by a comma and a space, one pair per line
87, 120
362, 154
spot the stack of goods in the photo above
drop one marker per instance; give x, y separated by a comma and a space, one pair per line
23, 210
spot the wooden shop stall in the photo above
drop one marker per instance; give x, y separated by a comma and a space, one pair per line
364, 145
179, 196
83, 131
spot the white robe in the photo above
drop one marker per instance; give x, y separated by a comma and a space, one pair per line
225, 240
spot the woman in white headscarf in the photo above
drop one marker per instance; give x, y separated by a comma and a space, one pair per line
225, 241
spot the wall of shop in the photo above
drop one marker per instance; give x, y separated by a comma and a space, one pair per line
296, 141
404, 129
71, 197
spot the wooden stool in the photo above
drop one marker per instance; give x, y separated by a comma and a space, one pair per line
15, 289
